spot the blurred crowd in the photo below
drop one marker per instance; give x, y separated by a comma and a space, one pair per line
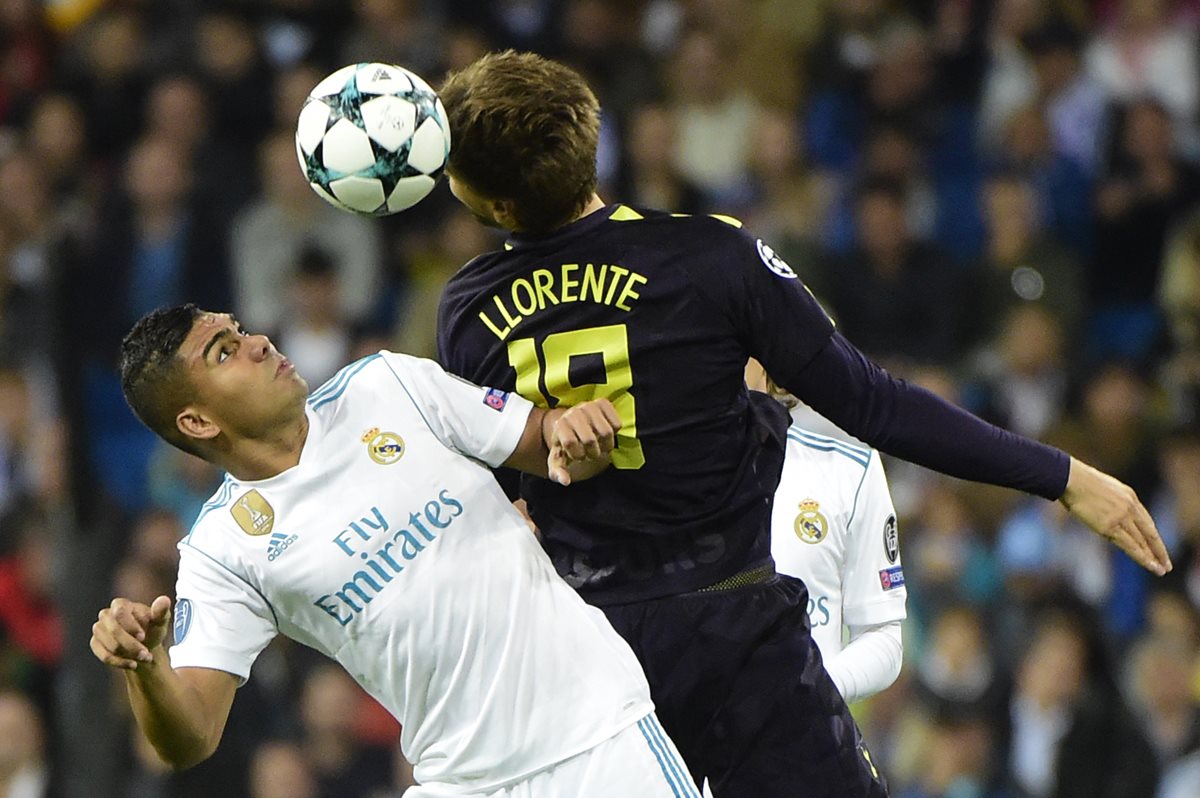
997, 200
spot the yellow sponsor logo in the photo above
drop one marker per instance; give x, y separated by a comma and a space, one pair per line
254, 514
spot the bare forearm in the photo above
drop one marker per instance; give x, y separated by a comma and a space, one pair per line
170, 713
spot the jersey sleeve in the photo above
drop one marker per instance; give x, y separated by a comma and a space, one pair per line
483, 423
873, 578
221, 621
775, 316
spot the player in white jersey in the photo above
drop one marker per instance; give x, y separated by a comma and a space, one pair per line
363, 521
834, 526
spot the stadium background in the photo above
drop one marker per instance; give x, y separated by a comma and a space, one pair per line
999, 200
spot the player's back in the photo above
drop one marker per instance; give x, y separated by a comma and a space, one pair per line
656, 312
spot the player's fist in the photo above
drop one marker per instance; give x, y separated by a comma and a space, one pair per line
580, 439
586, 431
128, 632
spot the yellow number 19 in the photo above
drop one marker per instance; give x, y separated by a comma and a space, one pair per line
612, 345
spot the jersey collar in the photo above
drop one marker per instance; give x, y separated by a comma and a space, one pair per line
578, 227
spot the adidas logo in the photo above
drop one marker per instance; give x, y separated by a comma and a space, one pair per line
381, 74
278, 543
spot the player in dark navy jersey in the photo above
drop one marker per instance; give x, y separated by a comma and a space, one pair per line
659, 313
600, 309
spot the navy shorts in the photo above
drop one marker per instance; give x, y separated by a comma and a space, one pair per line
738, 683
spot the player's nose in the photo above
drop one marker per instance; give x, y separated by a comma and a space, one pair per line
261, 347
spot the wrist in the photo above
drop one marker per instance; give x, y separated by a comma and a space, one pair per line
146, 671
549, 420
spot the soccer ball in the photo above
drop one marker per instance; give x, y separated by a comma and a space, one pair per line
372, 139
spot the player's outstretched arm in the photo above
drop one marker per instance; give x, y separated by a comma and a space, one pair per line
567, 444
1113, 511
906, 421
181, 712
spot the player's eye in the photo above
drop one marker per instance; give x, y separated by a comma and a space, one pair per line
225, 352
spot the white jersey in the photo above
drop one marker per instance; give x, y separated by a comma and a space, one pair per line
834, 527
391, 549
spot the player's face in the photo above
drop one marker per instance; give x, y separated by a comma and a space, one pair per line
243, 384
480, 206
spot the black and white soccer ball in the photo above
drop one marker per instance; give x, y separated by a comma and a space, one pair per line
372, 139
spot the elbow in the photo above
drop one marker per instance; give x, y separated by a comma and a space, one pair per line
896, 661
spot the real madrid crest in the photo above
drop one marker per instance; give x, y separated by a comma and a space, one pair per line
811, 526
384, 448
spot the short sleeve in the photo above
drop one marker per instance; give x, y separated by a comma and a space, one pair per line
221, 621
479, 422
775, 316
873, 579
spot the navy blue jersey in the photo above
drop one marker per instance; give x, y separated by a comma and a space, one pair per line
658, 313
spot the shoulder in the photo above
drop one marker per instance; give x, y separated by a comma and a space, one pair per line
827, 452
700, 230
209, 513
235, 512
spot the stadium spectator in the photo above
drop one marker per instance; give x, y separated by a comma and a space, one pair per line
896, 296
180, 483
955, 760
58, 139
1059, 182
1147, 189
459, 238
343, 767
105, 65
178, 110
1161, 676
1065, 710
712, 114
1020, 378
651, 178
281, 770
30, 469
947, 559
271, 232
1021, 265
312, 330
1149, 50
957, 674
24, 768
1179, 284
394, 32
231, 66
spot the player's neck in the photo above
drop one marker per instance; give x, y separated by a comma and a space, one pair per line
270, 454
594, 204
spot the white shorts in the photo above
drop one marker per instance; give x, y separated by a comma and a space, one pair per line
639, 762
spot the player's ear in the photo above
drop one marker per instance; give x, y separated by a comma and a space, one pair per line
196, 425
504, 212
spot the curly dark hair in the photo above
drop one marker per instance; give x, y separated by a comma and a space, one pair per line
152, 375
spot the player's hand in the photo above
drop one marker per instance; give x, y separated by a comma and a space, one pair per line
586, 433
128, 632
1112, 510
